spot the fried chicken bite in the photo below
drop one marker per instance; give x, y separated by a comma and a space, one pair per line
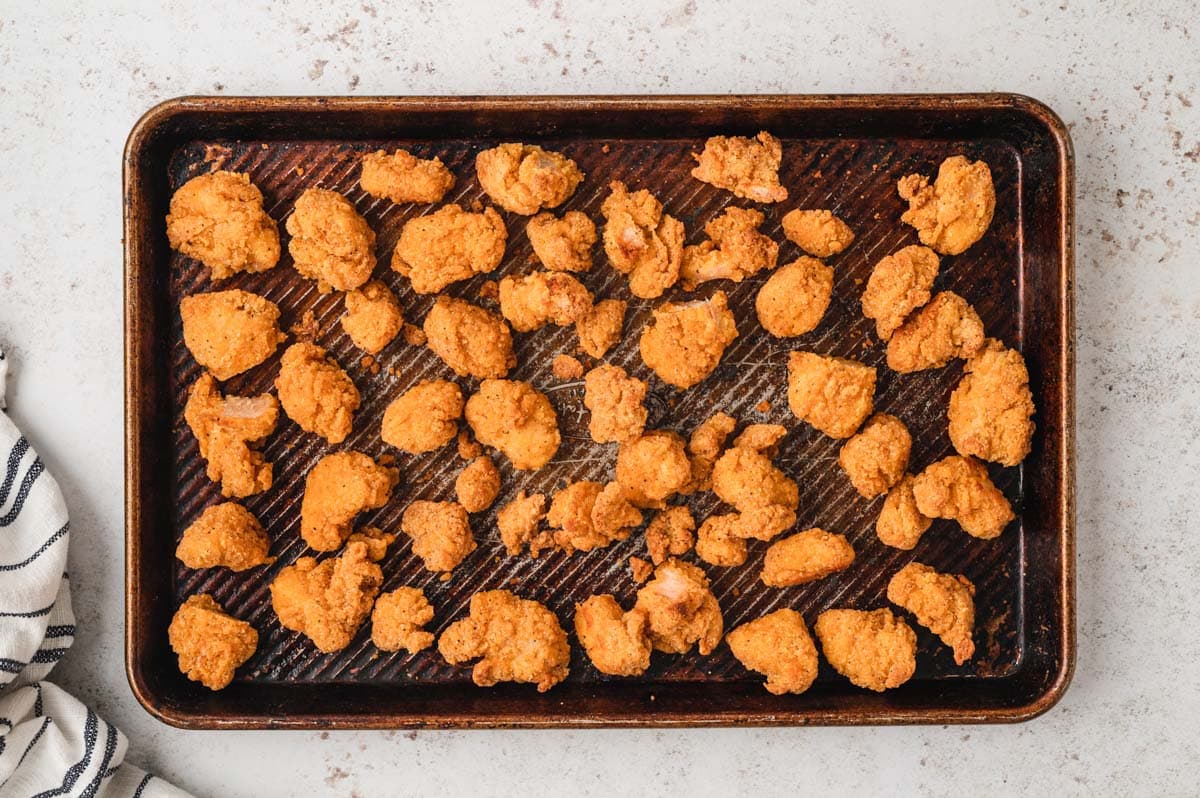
778, 646
747, 167
226, 429
875, 457
806, 557
534, 300
735, 250
519, 641
683, 344
229, 332
588, 515
398, 619
600, 328
403, 177
681, 609
794, 298
472, 341
959, 488
817, 232
373, 317
477, 485
942, 603
218, 219
617, 642
718, 542
339, 487
524, 178
566, 367
642, 241
449, 245
653, 467
330, 243
705, 446
671, 533
226, 535
991, 409
516, 419
613, 514
518, 522
209, 643
423, 418
874, 650
562, 244
616, 402
946, 328
901, 524
440, 532
316, 393
833, 394
749, 481
898, 285
956, 210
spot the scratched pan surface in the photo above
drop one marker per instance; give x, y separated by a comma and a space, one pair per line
1023, 648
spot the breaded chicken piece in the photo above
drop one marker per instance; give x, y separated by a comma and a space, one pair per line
423, 418
398, 619
477, 485
613, 514
516, 419
524, 178
681, 609
749, 481
209, 643
226, 429
226, 535
747, 167
817, 232
218, 219
960, 488
900, 523
440, 532
472, 341
330, 243
562, 244
519, 641
761, 438
589, 515
942, 603
683, 343
876, 456
946, 328
640, 569
653, 467
794, 298
898, 285
566, 367
518, 522
339, 487
617, 403
449, 245
671, 533
833, 394
806, 557
316, 393
874, 650
229, 332
991, 409
534, 300
705, 446
642, 241
956, 210
373, 317
600, 328
735, 250
403, 177
328, 601
718, 542
617, 642
778, 646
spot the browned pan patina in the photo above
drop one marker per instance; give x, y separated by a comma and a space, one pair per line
843, 153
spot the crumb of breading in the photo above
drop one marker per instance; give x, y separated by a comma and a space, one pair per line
589, 515
747, 167
653, 467
875, 649
960, 488
794, 298
833, 394
942, 603
817, 232
513, 417
617, 404
519, 641
600, 328
226, 535
489, 291
316, 392
467, 448
524, 178
875, 457
642, 241
562, 244
900, 523
565, 367
328, 601
330, 243
226, 429
671, 533
339, 487
518, 522
705, 446
306, 328
640, 569
898, 285
806, 557
763, 407
209, 643
477, 485
991, 409
761, 438
617, 642
681, 609
228, 332
440, 532
398, 619
423, 418
373, 317
534, 300
778, 646
684, 342
472, 341
946, 328
954, 212
218, 219
403, 177
717, 541
447, 246
735, 250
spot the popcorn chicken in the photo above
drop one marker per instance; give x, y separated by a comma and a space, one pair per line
747, 480
898, 285
806, 557
316, 393
761, 438
477, 485
209, 643
600, 328
833, 394
562, 244
518, 522
942, 603
617, 642
794, 298
423, 418
778, 646
226, 535
960, 488
339, 487
534, 300
991, 409
735, 250
817, 232
449, 245
613, 514
946, 328
875, 457
747, 167
684, 343
330, 243
874, 650
403, 177
218, 219
524, 178
718, 542
472, 341
229, 332
566, 367
588, 515
956, 210
617, 404
705, 446
671, 533
398, 618
440, 532
519, 641
681, 609
642, 241
653, 467
373, 317
900, 523
516, 419
226, 428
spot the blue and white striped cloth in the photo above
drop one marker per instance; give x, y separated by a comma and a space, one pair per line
50, 743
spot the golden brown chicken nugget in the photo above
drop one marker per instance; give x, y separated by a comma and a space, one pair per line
617, 642
231, 331
718, 542
875, 649
794, 299
705, 446
398, 619
749, 481
642, 241
472, 341
423, 418
440, 532
747, 167
218, 219
328, 601
600, 328
806, 557
653, 467
956, 210
735, 250
373, 317
671, 533
681, 609
960, 488
534, 300
588, 515
778, 646
566, 367
563, 244
875, 457
524, 178
942, 603
339, 487
898, 285
403, 177
761, 438
946, 328
817, 232
617, 403
330, 243
477, 485
833, 394
683, 344
900, 523
449, 245
226, 535
316, 392
613, 514
516, 419
991, 409
226, 429
209, 643
518, 522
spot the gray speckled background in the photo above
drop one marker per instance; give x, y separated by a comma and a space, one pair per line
1124, 76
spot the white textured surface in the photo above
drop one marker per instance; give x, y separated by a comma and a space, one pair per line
1123, 75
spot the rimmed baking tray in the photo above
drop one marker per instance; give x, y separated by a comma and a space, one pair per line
840, 152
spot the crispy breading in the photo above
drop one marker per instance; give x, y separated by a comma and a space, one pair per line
519, 641
942, 603
339, 487
209, 643
516, 419
900, 523
449, 245
524, 178
518, 522
403, 177
806, 557
833, 394
960, 488
218, 219
617, 642
534, 300
440, 532
761, 438
671, 533
956, 210
683, 343
231, 331
899, 284
640, 569
873, 649
316, 393
718, 541
588, 515
566, 367
681, 609
414, 335
562, 244
226, 535
778, 646
875, 457
735, 250
991, 409
749, 481
330, 243
946, 328
653, 467
747, 167
472, 341
817, 232
613, 514
423, 418
373, 317
226, 429
794, 298
398, 618
477, 485
600, 328
617, 403
705, 446
642, 241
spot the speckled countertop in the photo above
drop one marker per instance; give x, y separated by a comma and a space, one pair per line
1126, 78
